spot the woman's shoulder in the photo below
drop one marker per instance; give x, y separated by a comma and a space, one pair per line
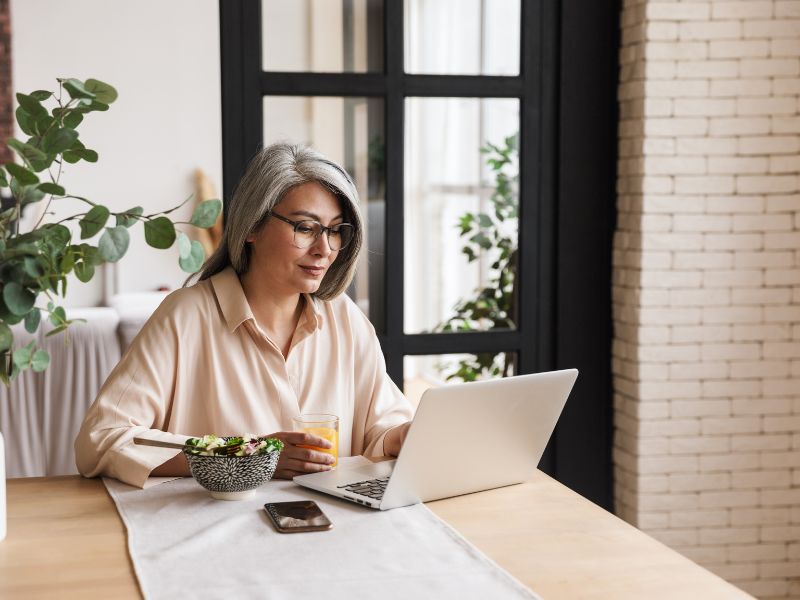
186, 303
342, 311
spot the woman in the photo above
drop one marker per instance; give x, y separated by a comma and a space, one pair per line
265, 334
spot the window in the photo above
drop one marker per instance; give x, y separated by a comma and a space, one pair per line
405, 96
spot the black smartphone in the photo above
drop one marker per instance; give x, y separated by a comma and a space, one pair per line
296, 517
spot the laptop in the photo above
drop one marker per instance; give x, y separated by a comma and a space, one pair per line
464, 438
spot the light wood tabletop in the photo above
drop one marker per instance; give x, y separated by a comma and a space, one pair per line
65, 540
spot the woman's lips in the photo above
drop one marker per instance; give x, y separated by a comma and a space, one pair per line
313, 271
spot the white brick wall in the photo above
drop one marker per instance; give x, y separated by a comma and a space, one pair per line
707, 285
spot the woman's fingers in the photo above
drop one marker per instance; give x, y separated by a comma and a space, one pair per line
298, 438
297, 460
305, 466
308, 455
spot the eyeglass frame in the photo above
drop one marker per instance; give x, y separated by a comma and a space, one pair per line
323, 229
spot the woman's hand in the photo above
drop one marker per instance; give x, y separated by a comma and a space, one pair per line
394, 439
299, 461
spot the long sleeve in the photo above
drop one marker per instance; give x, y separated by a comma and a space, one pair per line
379, 404
134, 401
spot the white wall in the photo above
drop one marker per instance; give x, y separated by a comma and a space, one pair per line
163, 58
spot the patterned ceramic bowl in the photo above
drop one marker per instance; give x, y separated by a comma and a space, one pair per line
232, 477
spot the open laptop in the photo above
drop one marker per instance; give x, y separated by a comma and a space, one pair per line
464, 438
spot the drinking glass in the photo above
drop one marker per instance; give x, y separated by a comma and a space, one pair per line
322, 425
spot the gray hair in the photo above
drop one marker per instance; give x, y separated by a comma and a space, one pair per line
271, 173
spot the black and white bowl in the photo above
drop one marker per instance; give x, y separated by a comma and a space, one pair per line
232, 477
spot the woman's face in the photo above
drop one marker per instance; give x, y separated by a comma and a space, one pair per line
275, 259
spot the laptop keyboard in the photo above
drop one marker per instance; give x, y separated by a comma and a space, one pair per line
371, 488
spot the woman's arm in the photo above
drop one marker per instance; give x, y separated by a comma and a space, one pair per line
381, 412
134, 401
394, 438
177, 466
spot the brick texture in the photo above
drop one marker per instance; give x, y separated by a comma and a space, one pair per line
6, 103
706, 285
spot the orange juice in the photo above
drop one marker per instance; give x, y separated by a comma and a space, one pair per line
328, 433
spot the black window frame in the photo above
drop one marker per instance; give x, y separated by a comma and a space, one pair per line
553, 198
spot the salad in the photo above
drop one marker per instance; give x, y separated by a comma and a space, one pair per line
245, 445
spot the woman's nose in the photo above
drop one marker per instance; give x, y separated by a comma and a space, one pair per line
321, 246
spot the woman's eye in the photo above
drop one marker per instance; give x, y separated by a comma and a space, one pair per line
304, 229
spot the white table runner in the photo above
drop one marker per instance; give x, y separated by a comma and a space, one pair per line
184, 544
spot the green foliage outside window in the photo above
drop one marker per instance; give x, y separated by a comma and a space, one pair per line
487, 235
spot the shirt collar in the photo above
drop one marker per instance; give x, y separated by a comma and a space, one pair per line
236, 310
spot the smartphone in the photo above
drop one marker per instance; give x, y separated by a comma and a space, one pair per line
296, 517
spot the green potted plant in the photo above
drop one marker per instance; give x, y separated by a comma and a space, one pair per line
34, 264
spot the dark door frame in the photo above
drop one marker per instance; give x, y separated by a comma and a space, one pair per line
567, 92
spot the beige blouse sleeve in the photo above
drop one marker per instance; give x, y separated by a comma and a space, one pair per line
379, 404
134, 401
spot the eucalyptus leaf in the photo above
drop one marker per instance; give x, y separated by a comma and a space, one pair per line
25, 121
159, 233
94, 106
6, 337
84, 271
94, 221
113, 243
194, 261
52, 188
22, 356
59, 139
41, 95
58, 316
102, 91
76, 89
18, 299
205, 214
91, 255
128, 218
31, 105
67, 261
29, 194
40, 361
42, 123
32, 320
184, 246
56, 330
73, 156
73, 119
26, 151
32, 267
56, 236
3, 178
22, 174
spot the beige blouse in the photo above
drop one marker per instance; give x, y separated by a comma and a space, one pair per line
202, 365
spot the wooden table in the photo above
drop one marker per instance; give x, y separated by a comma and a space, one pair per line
65, 540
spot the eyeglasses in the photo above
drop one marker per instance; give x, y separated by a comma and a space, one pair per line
307, 232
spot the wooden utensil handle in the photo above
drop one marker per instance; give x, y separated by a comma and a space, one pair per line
158, 443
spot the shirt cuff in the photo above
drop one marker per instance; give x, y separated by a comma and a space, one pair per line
134, 463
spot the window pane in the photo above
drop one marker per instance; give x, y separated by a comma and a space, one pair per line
348, 130
464, 37
460, 214
423, 372
331, 36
